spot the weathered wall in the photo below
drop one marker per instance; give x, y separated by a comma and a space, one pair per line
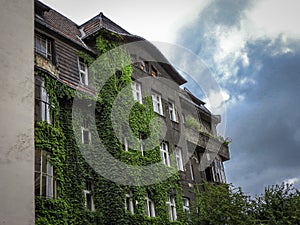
16, 112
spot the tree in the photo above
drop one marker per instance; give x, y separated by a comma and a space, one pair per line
225, 204
220, 204
280, 204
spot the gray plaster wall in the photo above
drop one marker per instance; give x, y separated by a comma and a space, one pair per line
16, 113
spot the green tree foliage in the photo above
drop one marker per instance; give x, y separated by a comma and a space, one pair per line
225, 204
219, 204
280, 204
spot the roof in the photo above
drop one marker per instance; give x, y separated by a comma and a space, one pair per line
58, 23
78, 34
97, 23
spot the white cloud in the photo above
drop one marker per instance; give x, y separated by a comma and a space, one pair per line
273, 17
292, 181
215, 101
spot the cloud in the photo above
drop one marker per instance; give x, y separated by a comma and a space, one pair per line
256, 63
293, 181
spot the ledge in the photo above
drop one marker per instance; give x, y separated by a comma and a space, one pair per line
45, 64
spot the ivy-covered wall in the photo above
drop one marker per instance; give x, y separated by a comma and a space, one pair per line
71, 169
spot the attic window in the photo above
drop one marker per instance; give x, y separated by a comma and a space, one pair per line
43, 46
154, 71
142, 65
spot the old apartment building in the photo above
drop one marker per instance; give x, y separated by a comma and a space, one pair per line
68, 188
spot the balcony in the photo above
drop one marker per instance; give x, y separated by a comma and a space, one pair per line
207, 141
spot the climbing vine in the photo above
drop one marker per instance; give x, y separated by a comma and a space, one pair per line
72, 170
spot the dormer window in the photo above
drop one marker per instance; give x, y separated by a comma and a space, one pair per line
142, 65
154, 71
43, 46
83, 71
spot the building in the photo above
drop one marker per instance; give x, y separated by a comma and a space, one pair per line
68, 188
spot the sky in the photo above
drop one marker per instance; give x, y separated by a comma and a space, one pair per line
253, 49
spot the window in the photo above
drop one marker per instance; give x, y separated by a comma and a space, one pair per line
142, 65
209, 174
219, 174
192, 171
186, 205
129, 205
83, 71
43, 175
142, 146
42, 107
125, 142
153, 71
179, 161
172, 112
172, 207
43, 46
88, 196
136, 91
150, 207
85, 133
164, 152
157, 103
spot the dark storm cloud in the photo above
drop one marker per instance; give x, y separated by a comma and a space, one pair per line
265, 125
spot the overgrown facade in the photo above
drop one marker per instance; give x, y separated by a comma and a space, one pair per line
68, 188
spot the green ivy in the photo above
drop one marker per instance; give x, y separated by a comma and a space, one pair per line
71, 169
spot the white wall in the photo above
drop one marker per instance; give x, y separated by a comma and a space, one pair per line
16, 112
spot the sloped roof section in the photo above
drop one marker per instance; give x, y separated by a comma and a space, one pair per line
97, 23
58, 23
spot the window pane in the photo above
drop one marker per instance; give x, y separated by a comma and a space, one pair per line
44, 161
44, 186
37, 181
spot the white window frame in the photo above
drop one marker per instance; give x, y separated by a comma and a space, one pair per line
192, 171
154, 71
83, 72
43, 100
85, 129
89, 192
43, 46
142, 145
172, 111
137, 91
157, 103
164, 152
218, 169
126, 146
150, 206
129, 204
179, 159
172, 207
186, 205
41, 172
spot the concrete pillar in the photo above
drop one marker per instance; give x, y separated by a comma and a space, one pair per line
16, 113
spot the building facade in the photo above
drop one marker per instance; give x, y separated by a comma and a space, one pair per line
68, 187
